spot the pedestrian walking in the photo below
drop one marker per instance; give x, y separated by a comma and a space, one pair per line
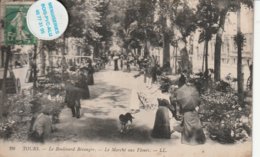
30, 72
129, 60
148, 73
83, 84
72, 99
154, 73
115, 58
187, 98
90, 73
121, 62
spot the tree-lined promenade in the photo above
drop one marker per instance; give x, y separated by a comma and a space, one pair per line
118, 40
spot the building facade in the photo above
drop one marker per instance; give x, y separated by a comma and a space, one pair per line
228, 48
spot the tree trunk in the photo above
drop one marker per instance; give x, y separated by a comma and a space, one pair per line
34, 68
135, 51
206, 56
146, 45
175, 59
185, 58
166, 42
139, 50
239, 62
43, 62
217, 57
96, 50
166, 48
2, 58
146, 49
63, 59
203, 58
6, 66
50, 59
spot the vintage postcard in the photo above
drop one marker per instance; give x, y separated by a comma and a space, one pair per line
126, 78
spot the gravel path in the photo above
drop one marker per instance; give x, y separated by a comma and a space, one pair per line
99, 120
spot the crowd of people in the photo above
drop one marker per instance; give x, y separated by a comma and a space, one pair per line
122, 62
181, 105
177, 112
178, 108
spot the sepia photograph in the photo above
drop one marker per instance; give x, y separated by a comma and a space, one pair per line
126, 78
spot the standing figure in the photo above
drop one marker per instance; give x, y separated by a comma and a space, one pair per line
83, 85
128, 63
90, 71
162, 128
154, 73
148, 73
188, 99
111, 56
122, 62
116, 63
72, 99
31, 70
251, 76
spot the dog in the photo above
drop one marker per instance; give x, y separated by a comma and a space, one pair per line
125, 121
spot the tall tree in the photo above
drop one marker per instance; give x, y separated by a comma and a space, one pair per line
84, 19
240, 40
184, 21
144, 32
104, 30
208, 18
223, 7
164, 10
175, 22
7, 51
222, 11
121, 16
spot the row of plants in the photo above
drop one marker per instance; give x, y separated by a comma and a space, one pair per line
223, 117
21, 109
225, 120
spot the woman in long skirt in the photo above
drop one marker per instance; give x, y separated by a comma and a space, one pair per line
162, 127
187, 97
90, 74
192, 129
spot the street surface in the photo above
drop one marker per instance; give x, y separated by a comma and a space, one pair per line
99, 121
98, 127
99, 115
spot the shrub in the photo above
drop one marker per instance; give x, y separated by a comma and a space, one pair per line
226, 121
